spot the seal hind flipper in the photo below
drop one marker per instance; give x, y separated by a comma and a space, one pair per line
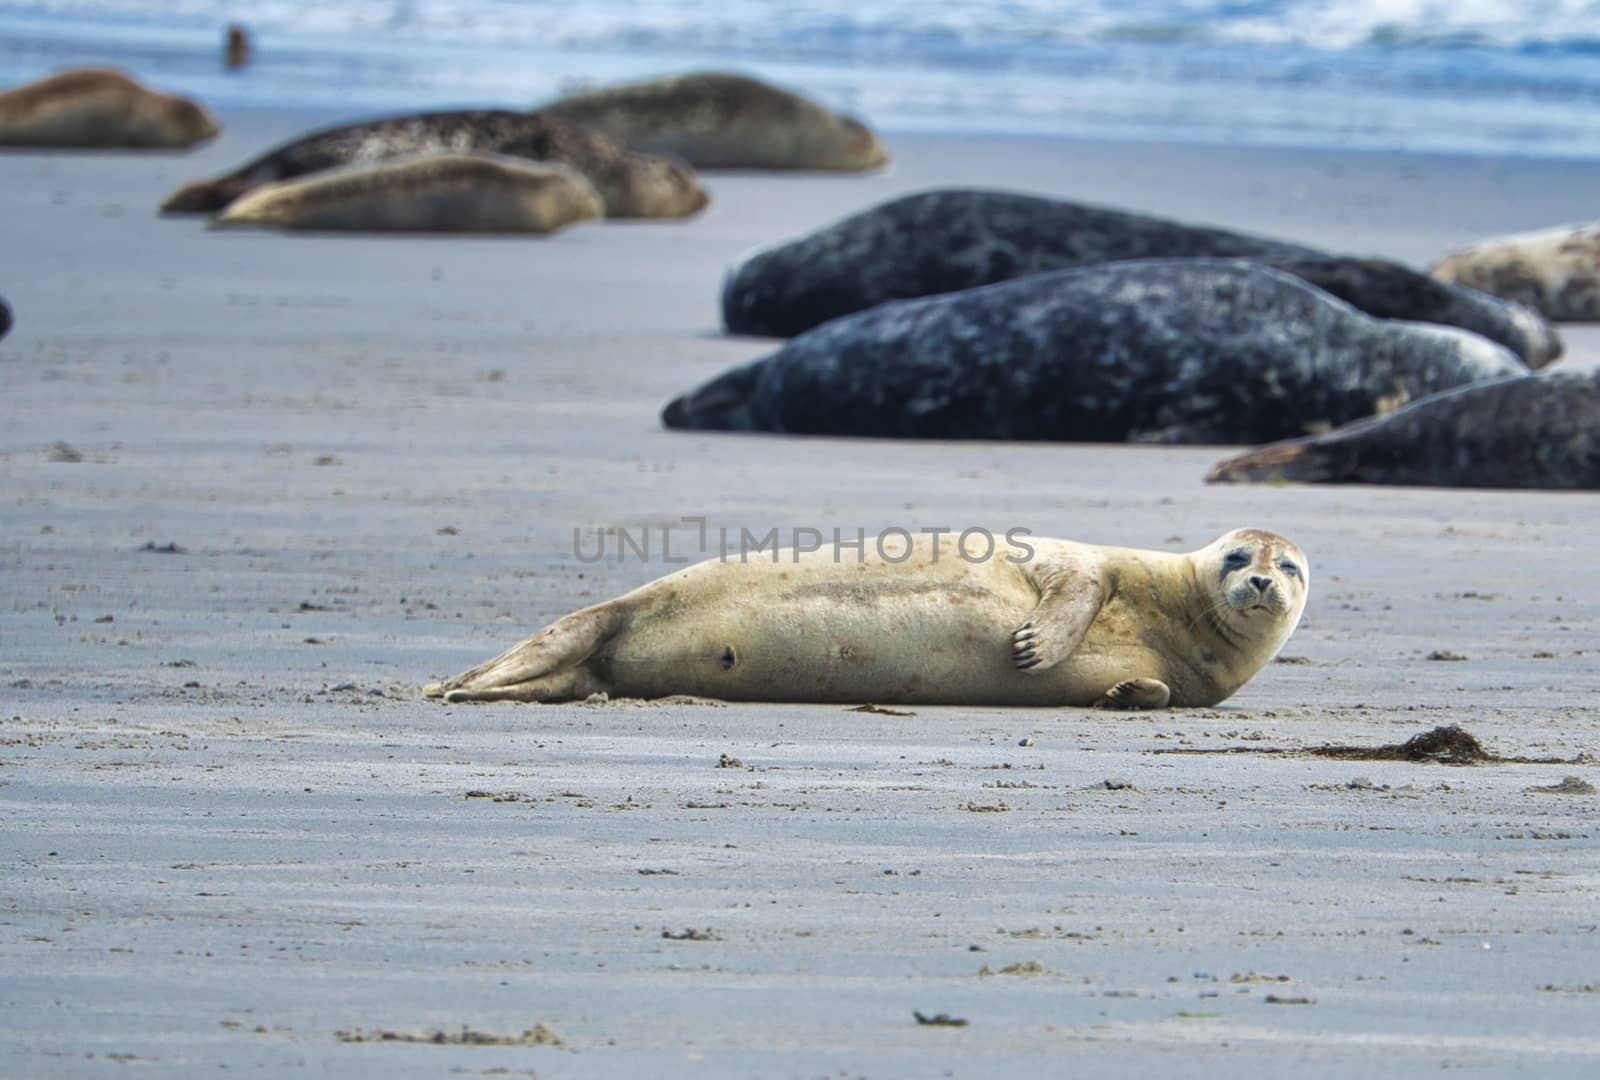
721, 405
204, 196
571, 684
1069, 600
1275, 462
546, 665
1136, 694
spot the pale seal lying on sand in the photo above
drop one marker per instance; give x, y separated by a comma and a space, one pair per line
632, 185
1555, 271
1169, 350
946, 240
717, 121
1533, 431
427, 193
1050, 622
89, 108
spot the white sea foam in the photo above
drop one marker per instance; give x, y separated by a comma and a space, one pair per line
1499, 76
877, 25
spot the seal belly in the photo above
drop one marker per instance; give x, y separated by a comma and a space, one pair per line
862, 632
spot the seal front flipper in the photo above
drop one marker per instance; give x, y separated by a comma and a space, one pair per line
1069, 599
1135, 694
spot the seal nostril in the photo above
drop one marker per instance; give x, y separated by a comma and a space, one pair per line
1262, 584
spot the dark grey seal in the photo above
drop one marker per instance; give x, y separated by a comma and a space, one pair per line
1177, 350
5, 318
715, 120
946, 240
632, 185
1532, 431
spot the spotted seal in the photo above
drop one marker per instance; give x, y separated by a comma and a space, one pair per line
1554, 271
1049, 622
950, 239
632, 185
426, 193
1530, 431
93, 108
1165, 350
715, 120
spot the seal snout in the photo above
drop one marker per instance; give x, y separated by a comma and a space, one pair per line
1261, 593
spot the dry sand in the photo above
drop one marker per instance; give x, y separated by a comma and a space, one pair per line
260, 488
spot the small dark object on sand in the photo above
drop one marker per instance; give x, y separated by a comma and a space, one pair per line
236, 48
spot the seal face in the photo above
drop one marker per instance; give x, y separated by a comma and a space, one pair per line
714, 120
1178, 350
89, 108
1532, 431
429, 193
951, 239
1554, 271
632, 185
1051, 622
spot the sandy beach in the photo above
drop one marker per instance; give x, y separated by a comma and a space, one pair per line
260, 488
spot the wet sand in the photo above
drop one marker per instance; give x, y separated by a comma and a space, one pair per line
261, 488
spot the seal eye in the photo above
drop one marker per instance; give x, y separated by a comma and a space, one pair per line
1236, 560
1289, 568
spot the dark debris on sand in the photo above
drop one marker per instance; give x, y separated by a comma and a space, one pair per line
1445, 745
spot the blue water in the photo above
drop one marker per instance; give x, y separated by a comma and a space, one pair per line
1472, 76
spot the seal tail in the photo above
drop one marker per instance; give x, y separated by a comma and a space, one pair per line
723, 404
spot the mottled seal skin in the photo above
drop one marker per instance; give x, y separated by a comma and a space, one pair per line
719, 121
91, 108
1052, 622
427, 193
1175, 350
632, 185
951, 239
1387, 290
1554, 271
1532, 431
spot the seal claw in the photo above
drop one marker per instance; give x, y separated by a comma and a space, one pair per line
1136, 694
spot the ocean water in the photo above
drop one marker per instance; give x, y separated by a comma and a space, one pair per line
1469, 76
